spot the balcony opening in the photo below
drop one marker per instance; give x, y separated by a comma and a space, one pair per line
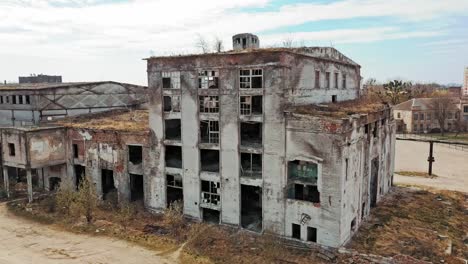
312, 234
79, 174
251, 208
108, 185
296, 231
208, 80
172, 129
173, 157
211, 216
251, 134
135, 154
251, 165
209, 131
209, 160
251, 105
136, 187
174, 189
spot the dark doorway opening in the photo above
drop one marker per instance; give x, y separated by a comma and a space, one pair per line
174, 191
54, 183
211, 216
136, 187
311, 234
296, 231
374, 181
79, 174
251, 208
108, 185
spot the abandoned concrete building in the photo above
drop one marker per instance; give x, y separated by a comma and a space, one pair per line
268, 140
30, 103
239, 140
40, 78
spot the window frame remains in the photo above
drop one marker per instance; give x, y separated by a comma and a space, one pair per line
248, 78
208, 103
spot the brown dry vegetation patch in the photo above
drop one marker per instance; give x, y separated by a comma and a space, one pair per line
413, 222
416, 174
341, 109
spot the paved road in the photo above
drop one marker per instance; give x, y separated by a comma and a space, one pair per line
23, 242
451, 165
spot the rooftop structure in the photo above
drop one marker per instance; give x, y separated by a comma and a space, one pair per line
41, 78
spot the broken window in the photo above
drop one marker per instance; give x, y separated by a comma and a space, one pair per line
108, 185
251, 165
251, 134
209, 104
11, 149
173, 156
171, 104
171, 80
75, 151
303, 171
208, 80
251, 207
252, 78
336, 80
209, 131
211, 192
317, 79
296, 231
251, 105
172, 129
209, 160
311, 234
327, 80
344, 81
175, 191
28, 101
304, 192
135, 154
136, 187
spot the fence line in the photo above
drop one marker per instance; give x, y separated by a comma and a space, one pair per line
428, 137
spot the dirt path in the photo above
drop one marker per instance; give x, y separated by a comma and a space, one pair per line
23, 242
450, 165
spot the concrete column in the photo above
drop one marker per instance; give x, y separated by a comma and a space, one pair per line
6, 181
30, 189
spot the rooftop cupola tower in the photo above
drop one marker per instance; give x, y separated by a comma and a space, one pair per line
245, 41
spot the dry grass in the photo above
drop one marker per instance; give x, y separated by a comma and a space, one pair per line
341, 109
409, 222
416, 174
135, 120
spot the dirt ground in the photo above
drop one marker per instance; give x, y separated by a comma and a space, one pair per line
451, 165
26, 242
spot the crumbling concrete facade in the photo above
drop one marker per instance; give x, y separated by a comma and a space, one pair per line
237, 144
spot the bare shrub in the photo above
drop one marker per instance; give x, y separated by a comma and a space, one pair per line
125, 214
87, 200
272, 247
174, 217
65, 196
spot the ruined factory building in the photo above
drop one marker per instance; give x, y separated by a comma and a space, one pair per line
29, 104
268, 139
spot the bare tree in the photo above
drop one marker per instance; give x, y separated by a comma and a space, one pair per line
288, 42
442, 104
202, 44
218, 44
394, 92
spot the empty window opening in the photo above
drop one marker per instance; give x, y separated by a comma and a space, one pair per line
304, 192
244, 43
251, 208
54, 183
135, 154
172, 129
374, 181
211, 193
108, 186
251, 105
375, 131
363, 210
299, 170
336, 80
353, 225
11, 149
251, 78
20, 99
1, 99
366, 129
251, 134
174, 189
208, 80
171, 103
346, 169
327, 80
296, 231
311, 234
210, 216
173, 156
344, 81
209, 160
317, 79
79, 175
171, 80
136, 187
27, 99
334, 98
7, 99
398, 115
166, 82
209, 104
75, 150
13, 99
209, 131
251, 165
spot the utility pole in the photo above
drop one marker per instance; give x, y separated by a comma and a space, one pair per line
431, 159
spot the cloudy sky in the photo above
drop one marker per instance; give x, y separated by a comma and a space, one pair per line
92, 40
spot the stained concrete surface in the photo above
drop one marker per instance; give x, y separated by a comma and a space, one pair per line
25, 242
451, 165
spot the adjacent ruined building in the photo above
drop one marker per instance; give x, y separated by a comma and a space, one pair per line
268, 140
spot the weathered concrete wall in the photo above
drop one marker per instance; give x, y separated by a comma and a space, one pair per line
18, 139
46, 148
